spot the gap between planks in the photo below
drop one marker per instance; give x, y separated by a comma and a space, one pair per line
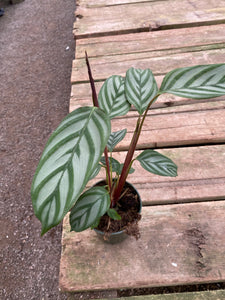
160, 41
103, 67
151, 16
204, 295
104, 3
177, 129
201, 176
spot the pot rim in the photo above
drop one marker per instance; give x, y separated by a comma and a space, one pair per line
121, 231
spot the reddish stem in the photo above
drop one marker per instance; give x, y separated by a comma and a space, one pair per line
95, 103
130, 153
127, 164
94, 94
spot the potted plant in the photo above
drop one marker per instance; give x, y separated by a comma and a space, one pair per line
73, 153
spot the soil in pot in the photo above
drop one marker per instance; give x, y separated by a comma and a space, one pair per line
128, 207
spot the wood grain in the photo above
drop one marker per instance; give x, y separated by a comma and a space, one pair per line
175, 129
182, 228
147, 16
102, 3
103, 67
179, 244
81, 96
156, 41
201, 176
205, 295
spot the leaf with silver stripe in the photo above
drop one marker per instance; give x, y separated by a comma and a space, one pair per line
95, 172
114, 164
115, 138
140, 88
198, 82
69, 159
111, 98
93, 204
157, 163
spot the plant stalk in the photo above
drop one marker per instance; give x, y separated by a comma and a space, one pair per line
95, 103
130, 154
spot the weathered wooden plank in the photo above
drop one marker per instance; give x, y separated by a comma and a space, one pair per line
179, 244
207, 36
103, 67
146, 16
176, 129
102, 3
189, 124
81, 96
201, 176
205, 295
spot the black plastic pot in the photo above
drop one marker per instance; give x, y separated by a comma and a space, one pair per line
116, 237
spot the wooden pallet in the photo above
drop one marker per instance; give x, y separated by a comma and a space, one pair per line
207, 295
182, 228
179, 244
108, 18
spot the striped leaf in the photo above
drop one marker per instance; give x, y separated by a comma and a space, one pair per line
114, 164
93, 204
69, 158
95, 172
157, 163
198, 82
140, 88
112, 98
115, 138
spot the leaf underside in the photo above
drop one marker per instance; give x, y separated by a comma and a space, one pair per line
198, 82
69, 158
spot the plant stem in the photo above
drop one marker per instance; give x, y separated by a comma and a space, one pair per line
129, 156
93, 89
108, 169
126, 165
95, 103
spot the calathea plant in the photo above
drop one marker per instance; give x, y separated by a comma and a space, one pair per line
73, 153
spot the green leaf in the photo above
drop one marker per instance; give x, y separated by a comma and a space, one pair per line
112, 98
113, 214
140, 88
198, 82
131, 171
95, 172
115, 138
69, 158
157, 163
93, 204
115, 164
96, 223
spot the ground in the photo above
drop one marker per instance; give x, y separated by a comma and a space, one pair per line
36, 52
